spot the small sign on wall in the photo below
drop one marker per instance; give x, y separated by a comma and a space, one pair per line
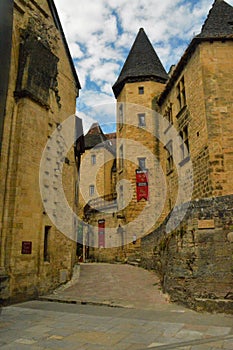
26, 247
206, 224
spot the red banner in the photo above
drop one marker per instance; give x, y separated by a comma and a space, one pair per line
142, 184
101, 233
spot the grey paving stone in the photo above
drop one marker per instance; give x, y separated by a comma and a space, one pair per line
51, 325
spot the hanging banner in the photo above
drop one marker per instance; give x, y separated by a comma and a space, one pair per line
101, 233
142, 184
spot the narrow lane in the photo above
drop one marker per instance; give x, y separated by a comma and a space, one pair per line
117, 285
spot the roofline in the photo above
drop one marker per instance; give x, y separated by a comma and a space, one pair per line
103, 144
79, 135
57, 21
184, 61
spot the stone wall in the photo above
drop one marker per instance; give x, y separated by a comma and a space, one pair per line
135, 141
97, 174
40, 97
195, 261
217, 67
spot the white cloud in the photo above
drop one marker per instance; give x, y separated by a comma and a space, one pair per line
87, 121
101, 32
75, 50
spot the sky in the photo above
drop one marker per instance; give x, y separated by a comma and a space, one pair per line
100, 34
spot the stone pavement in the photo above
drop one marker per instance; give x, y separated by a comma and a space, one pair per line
113, 285
142, 321
40, 325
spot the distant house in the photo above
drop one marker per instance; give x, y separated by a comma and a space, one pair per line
97, 188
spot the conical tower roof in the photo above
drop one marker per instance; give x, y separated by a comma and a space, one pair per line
142, 64
219, 22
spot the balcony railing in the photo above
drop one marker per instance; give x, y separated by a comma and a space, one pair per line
97, 204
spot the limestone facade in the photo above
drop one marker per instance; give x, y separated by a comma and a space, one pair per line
195, 258
97, 197
188, 129
35, 256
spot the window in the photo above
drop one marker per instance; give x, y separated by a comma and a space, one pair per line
185, 144
141, 90
141, 119
121, 115
76, 192
168, 113
121, 156
46, 242
91, 190
142, 163
169, 157
93, 159
181, 96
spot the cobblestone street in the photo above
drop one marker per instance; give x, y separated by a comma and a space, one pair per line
142, 318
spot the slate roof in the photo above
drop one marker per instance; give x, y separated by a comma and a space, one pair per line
219, 22
217, 26
141, 64
96, 138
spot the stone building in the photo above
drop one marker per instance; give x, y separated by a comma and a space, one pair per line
98, 205
38, 90
140, 186
174, 159
184, 120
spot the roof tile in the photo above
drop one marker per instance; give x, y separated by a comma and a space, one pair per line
219, 22
141, 64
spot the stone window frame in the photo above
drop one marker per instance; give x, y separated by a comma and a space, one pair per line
93, 159
141, 90
47, 230
121, 115
141, 119
184, 147
169, 113
181, 94
91, 190
142, 163
169, 157
121, 157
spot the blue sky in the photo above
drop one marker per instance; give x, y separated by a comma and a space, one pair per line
100, 34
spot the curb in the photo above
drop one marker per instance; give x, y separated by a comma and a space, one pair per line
83, 302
